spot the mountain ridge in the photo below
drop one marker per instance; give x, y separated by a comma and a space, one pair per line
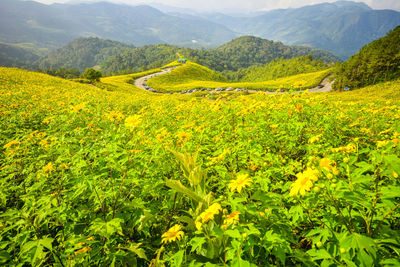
115, 57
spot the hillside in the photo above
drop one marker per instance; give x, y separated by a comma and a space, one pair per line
115, 58
376, 62
83, 53
13, 55
279, 68
97, 177
341, 27
194, 76
54, 25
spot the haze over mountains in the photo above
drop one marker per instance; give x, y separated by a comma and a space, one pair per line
342, 27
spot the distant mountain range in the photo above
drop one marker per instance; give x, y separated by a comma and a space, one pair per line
54, 25
342, 27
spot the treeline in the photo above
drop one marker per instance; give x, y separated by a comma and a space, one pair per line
376, 62
83, 53
117, 58
241, 52
61, 72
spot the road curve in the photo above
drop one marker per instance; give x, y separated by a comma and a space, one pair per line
142, 81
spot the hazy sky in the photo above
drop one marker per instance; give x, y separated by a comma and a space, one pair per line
244, 5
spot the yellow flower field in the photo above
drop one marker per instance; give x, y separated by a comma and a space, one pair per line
125, 177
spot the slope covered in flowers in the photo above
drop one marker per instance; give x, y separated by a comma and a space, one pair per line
126, 177
194, 76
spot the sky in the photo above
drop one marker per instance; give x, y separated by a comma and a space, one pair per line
243, 5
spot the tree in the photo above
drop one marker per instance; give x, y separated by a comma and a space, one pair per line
92, 74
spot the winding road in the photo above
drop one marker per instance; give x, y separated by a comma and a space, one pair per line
142, 82
323, 87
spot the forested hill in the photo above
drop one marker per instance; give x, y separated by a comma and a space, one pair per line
12, 55
83, 53
376, 62
247, 51
115, 57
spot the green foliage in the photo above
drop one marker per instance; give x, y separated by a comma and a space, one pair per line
61, 72
376, 62
83, 53
91, 74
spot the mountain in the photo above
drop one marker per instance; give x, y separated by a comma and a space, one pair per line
247, 51
83, 53
115, 57
54, 25
376, 62
342, 27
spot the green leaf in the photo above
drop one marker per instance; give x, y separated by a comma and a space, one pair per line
177, 258
197, 242
4, 256
319, 254
364, 247
233, 233
135, 248
107, 229
34, 249
179, 187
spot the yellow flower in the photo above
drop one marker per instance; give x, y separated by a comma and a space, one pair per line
115, 116
220, 157
209, 213
395, 175
304, 182
329, 165
241, 181
63, 166
349, 148
48, 120
83, 250
162, 134
13, 142
175, 232
381, 143
299, 107
231, 219
78, 107
48, 169
182, 137
133, 121
314, 139
198, 225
